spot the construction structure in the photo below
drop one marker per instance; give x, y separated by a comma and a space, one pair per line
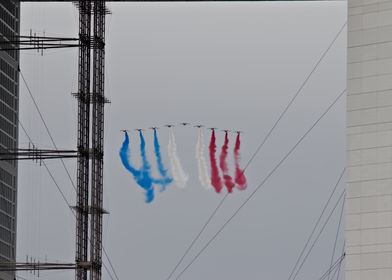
9, 104
91, 100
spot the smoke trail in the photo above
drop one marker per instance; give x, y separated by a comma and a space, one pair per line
145, 180
125, 154
201, 161
216, 181
141, 176
223, 165
179, 175
165, 178
240, 178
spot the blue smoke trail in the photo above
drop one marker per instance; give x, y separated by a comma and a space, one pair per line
125, 154
165, 178
142, 176
146, 180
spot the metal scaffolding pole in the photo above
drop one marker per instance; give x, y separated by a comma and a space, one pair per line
98, 103
83, 96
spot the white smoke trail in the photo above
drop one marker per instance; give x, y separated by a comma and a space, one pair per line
179, 175
201, 161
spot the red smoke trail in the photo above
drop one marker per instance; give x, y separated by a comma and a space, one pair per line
240, 178
216, 181
223, 165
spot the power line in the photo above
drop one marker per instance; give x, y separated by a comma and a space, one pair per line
336, 264
197, 237
344, 245
295, 95
261, 184
321, 231
62, 161
62, 193
316, 225
46, 126
47, 168
336, 238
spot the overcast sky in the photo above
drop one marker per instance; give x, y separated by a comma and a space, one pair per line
228, 65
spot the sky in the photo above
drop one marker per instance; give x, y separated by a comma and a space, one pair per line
227, 65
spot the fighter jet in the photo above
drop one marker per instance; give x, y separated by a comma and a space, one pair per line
139, 129
198, 126
184, 123
124, 130
212, 128
169, 125
154, 127
238, 131
226, 130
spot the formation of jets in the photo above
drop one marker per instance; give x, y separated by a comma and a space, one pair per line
184, 124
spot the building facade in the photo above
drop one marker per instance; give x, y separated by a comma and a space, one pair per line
369, 141
9, 96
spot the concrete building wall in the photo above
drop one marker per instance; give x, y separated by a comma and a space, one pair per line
369, 141
9, 91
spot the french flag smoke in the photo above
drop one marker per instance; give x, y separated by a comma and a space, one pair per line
240, 178
216, 180
227, 179
204, 179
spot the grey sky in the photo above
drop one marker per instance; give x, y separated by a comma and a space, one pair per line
229, 65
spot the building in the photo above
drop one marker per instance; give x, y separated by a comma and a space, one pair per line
369, 141
9, 91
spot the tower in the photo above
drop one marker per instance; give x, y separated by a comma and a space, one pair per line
9, 94
369, 141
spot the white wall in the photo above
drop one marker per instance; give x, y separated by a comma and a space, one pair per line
369, 141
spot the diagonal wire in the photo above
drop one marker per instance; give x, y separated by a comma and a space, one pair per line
336, 264
316, 225
62, 161
46, 127
344, 247
336, 239
59, 189
261, 184
295, 95
196, 238
343, 195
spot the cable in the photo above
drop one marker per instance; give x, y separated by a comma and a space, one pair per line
316, 225
65, 199
344, 246
261, 184
46, 127
336, 264
62, 161
196, 238
336, 238
343, 195
295, 96
110, 262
